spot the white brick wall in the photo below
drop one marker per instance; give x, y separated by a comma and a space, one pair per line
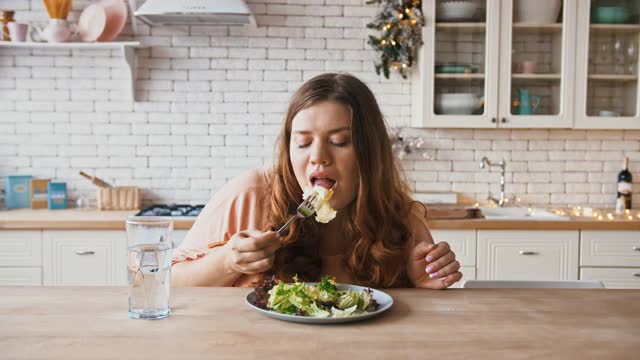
211, 99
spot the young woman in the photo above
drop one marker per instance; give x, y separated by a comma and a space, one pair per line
334, 135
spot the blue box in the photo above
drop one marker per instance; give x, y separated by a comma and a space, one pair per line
57, 198
18, 191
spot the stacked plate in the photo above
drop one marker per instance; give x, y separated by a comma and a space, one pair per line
102, 21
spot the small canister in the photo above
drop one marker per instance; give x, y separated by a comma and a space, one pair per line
57, 195
6, 16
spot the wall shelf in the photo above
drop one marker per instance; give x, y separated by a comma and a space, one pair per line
459, 76
462, 26
556, 27
615, 27
536, 76
127, 49
613, 77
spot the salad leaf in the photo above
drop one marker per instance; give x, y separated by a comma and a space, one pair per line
328, 285
343, 313
348, 300
320, 300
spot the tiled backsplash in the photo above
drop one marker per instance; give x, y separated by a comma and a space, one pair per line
210, 100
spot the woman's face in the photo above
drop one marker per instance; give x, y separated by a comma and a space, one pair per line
322, 152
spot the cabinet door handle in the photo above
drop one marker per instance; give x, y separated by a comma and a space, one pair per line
523, 252
504, 120
494, 120
636, 248
85, 252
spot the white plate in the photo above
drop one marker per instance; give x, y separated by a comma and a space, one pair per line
383, 299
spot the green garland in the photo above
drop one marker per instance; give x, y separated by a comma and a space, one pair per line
400, 23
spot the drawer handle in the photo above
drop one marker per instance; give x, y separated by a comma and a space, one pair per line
636, 248
636, 274
85, 252
522, 252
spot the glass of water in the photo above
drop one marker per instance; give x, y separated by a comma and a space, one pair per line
150, 244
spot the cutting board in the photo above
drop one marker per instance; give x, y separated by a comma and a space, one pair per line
452, 212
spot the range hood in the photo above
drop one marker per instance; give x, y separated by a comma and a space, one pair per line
194, 12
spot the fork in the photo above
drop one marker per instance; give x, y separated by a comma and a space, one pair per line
305, 210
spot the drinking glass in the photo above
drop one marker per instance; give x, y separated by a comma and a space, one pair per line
150, 244
632, 56
604, 52
619, 57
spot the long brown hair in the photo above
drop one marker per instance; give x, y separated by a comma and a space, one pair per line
376, 218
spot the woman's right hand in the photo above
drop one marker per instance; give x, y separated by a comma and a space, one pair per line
252, 251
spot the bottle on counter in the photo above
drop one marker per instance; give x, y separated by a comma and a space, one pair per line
623, 200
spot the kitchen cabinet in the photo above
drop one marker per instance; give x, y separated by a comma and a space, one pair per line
470, 48
69, 257
99, 257
20, 276
607, 82
463, 244
84, 257
523, 71
612, 257
613, 278
537, 65
20, 257
527, 255
610, 248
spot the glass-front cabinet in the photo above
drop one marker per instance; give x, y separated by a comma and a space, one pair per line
496, 63
607, 95
456, 80
536, 63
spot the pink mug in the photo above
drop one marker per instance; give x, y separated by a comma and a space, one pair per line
528, 67
18, 32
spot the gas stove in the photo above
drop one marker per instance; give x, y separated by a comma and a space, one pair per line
171, 210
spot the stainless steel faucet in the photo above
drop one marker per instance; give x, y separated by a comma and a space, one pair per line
501, 164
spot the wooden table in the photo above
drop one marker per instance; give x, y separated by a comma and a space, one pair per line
207, 323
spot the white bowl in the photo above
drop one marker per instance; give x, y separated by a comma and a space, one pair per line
455, 10
536, 12
458, 103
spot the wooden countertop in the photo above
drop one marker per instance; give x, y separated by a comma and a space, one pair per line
576, 223
91, 322
74, 219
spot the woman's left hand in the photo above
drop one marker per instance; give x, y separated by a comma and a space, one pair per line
433, 266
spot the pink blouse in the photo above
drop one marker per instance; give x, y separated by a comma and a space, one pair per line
242, 204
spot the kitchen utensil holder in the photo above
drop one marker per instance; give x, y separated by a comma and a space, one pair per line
120, 198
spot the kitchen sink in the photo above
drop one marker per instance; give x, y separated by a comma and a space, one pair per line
520, 213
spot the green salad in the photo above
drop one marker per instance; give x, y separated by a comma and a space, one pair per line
314, 300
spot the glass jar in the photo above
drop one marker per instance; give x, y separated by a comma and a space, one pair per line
6, 16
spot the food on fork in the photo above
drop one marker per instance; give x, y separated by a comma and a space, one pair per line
324, 212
